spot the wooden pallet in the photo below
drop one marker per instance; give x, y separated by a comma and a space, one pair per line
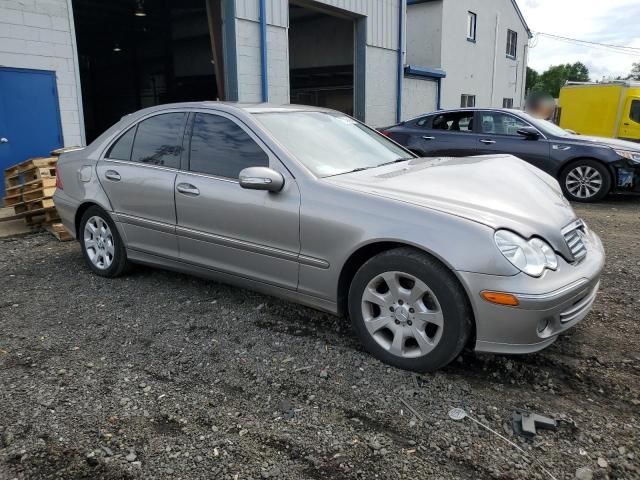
58, 231
30, 186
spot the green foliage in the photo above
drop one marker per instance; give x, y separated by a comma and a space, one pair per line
532, 78
635, 72
553, 79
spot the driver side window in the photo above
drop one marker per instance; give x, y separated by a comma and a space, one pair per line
220, 147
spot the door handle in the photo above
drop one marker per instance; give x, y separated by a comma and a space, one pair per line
429, 138
625, 123
487, 142
112, 175
188, 189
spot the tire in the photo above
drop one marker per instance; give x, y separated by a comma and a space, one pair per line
431, 319
580, 178
104, 252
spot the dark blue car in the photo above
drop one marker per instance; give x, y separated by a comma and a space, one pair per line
588, 168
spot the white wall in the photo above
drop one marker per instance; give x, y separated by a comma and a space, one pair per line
424, 34
40, 35
482, 68
418, 96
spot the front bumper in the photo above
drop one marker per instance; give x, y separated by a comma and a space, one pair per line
549, 305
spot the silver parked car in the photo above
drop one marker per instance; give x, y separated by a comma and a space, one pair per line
426, 255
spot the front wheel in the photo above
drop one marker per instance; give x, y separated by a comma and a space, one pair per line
409, 310
585, 181
102, 247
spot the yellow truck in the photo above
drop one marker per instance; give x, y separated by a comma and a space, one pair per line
609, 109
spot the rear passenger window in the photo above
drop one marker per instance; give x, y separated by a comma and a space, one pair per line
454, 122
220, 147
121, 150
159, 140
423, 122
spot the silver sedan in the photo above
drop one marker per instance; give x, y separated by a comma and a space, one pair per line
425, 255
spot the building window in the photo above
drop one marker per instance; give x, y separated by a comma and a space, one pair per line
512, 44
507, 103
471, 26
467, 101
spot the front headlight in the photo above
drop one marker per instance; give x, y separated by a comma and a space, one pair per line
629, 155
530, 256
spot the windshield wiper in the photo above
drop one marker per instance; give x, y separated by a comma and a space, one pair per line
397, 160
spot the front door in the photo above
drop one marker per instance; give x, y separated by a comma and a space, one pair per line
630, 125
29, 116
499, 134
250, 233
138, 174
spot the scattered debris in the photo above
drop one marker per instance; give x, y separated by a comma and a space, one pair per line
525, 423
411, 409
458, 414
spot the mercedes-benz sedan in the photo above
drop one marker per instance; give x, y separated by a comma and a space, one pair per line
425, 255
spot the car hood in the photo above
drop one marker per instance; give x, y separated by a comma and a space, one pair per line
499, 191
605, 142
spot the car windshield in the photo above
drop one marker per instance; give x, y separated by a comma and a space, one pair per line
331, 143
546, 126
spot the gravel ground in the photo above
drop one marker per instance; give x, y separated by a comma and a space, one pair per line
164, 376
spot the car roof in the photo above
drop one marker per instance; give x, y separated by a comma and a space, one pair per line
513, 111
236, 106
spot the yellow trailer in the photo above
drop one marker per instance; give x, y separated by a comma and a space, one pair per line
609, 109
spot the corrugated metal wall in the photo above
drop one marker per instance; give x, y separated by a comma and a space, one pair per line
382, 16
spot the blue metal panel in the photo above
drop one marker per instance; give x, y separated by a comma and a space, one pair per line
424, 72
263, 51
29, 115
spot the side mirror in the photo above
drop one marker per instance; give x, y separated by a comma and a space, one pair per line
529, 132
261, 178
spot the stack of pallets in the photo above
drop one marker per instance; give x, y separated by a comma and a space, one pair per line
29, 188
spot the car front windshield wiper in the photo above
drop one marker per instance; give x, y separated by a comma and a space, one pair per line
359, 169
397, 160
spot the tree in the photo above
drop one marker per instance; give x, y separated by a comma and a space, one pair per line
635, 72
554, 78
532, 79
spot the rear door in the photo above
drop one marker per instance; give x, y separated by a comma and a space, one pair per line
251, 233
499, 134
138, 174
630, 125
29, 116
449, 134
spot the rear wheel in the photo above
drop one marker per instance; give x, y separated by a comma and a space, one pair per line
585, 181
409, 310
102, 247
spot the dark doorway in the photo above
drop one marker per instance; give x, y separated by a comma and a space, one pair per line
321, 58
139, 53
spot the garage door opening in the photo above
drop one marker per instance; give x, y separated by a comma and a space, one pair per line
139, 53
321, 58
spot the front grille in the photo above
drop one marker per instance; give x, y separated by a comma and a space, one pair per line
574, 236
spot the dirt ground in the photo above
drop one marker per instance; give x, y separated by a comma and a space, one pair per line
163, 376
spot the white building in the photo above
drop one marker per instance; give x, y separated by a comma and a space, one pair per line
379, 60
482, 46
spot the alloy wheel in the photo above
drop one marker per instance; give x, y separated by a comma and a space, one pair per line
583, 181
402, 314
98, 242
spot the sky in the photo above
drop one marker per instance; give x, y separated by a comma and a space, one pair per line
615, 22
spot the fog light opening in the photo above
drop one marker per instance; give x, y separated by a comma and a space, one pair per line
500, 298
543, 323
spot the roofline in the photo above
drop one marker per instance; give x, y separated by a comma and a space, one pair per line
524, 22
